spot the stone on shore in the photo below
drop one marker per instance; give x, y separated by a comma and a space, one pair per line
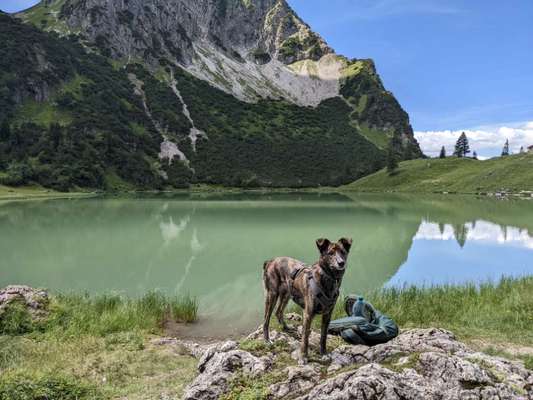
35, 300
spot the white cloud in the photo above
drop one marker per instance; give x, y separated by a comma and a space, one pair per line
481, 231
487, 141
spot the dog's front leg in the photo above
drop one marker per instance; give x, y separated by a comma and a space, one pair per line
306, 330
326, 318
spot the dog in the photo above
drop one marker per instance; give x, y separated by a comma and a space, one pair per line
314, 288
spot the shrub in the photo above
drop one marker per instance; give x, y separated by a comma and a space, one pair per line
15, 320
24, 387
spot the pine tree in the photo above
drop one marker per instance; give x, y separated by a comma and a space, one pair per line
392, 161
55, 133
462, 148
5, 131
474, 155
442, 152
522, 150
505, 151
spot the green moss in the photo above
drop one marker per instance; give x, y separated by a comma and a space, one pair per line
401, 361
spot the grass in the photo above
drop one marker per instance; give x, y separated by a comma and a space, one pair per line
94, 347
35, 192
453, 175
72, 315
499, 312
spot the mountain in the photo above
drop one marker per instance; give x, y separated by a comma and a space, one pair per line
511, 174
164, 93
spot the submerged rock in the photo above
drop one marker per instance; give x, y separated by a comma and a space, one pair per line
418, 364
35, 300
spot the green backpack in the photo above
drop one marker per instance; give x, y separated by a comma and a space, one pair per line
364, 324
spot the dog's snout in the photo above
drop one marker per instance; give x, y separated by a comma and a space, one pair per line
342, 263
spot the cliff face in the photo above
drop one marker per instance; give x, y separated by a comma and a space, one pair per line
235, 92
241, 47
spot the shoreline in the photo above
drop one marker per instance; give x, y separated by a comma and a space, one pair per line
39, 193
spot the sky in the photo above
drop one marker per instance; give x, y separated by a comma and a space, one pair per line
454, 65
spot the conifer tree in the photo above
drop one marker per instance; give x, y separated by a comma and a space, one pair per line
462, 148
5, 131
392, 160
442, 152
521, 149
505, 151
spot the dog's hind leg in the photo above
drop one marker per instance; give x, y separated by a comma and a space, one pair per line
282, 304
271, 298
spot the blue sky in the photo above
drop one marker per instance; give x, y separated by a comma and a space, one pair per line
454, 65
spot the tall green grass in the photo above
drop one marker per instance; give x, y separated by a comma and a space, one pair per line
502, 310
75, 314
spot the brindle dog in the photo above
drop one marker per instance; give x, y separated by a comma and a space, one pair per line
314, 288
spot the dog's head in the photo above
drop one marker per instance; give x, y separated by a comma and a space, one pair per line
333, 256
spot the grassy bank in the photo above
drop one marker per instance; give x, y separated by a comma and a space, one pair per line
453, 175
498, 312
36, 192
100, 347
94, 348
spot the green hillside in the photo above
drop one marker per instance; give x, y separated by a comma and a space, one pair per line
454, 175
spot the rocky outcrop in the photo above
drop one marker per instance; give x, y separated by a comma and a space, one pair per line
220, 363
35, 300
418, 364
241, 47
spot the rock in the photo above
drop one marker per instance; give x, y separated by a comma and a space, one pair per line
418, 364
35, 300
422, 364
347, 355
291, 339
217, 367
300, 379
293, 317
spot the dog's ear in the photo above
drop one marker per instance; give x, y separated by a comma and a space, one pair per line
323, 245
346, 243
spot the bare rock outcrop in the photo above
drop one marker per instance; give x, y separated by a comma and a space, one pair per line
218, 365
418, 364
35, 300
423, 364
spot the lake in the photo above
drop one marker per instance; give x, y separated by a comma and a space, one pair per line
213, 246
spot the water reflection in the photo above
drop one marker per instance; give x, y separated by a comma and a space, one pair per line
213, 247
480, 231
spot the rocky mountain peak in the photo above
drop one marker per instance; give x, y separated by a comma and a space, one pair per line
244, 47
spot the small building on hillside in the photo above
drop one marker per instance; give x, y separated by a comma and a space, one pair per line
530, 149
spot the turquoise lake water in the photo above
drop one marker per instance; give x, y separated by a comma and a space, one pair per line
213, 247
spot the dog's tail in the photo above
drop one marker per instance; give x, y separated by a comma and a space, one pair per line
265, 267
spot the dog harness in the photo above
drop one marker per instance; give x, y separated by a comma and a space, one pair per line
324, 302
